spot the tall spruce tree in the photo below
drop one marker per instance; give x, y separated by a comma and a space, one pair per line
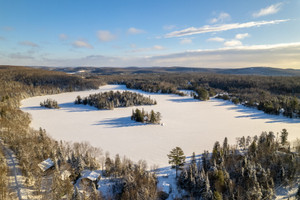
176, 158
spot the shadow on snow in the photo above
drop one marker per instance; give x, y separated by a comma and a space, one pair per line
253, 113
119, 122
183, 100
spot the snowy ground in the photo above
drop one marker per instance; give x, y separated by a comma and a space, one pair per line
190, 124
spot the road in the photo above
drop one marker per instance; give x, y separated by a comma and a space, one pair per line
15, 178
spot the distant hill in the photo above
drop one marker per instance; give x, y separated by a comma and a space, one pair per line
262, 71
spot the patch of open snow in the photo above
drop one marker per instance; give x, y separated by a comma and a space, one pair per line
188, 123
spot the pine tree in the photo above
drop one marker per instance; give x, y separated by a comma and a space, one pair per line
176, 158
152, 117
284, 136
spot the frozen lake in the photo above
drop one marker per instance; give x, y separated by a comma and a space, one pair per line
190, 124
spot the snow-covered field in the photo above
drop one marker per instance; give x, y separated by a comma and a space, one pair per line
190, 124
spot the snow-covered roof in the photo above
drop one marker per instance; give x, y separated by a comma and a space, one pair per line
91, 175
65, 174
46, 164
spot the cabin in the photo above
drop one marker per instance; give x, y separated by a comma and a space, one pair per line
46, 165
89, 177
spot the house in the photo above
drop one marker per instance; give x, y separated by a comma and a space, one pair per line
88, 177
46, 165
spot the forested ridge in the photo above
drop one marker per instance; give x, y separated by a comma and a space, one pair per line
273, 95
265, 155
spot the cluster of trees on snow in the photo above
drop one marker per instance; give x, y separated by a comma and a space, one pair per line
110, 100
273, 95
250, 171
145, 117
50, 103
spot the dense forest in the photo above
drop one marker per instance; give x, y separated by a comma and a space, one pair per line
250, 170
110, 100
256, 166
273, 95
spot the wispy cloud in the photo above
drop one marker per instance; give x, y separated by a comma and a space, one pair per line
19, 56
186, 41
153, 48
28, 43
82, 44
221, 18
272, 9
134, 31
216, 39
277, 55
218, 28
284, 55
8, 28
158, 47
63, 36
242, 36
105, 36
2, 38
169, 27
232, 43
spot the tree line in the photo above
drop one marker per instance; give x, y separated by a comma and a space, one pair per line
110, 100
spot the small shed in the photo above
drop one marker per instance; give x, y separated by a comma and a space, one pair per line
88, 177
46, 165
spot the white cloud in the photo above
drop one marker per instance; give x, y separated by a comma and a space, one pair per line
28, 43
82, 44
153, 48
218, 28
134, 31
272, 9
233, 43
186, 41
242, 36
223, 16
105, 36
216, 39
63, 36
158, 47
277, 55
169, 27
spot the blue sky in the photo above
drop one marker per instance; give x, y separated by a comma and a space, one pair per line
191, 33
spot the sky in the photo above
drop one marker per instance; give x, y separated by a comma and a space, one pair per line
146, 33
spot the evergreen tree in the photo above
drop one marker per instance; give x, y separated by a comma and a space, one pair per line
152, 117
284, 136
176, 158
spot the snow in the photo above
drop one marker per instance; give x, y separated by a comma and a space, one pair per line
188, 123
46, 164
91, 175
